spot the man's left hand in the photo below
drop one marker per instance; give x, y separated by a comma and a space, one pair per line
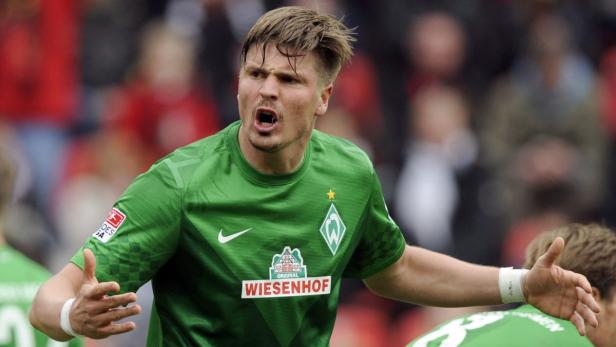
559, 292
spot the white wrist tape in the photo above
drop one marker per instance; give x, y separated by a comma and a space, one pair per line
510, 282
65, 322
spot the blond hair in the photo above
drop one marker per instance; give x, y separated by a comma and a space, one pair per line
589, 250
296, 31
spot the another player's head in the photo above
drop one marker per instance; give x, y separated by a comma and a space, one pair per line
591, 251
289, 61
7, 176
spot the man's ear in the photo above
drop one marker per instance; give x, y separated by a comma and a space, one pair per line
324, 99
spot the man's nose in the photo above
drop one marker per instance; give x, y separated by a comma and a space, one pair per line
269, 88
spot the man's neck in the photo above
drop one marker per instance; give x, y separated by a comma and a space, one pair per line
284, 161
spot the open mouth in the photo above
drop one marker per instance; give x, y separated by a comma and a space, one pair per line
266, 119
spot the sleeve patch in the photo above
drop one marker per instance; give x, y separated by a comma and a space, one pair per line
112, 223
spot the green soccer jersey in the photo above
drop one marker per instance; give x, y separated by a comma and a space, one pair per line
240, 258
521, 327
20, 278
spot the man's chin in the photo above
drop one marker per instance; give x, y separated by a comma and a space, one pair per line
265, 146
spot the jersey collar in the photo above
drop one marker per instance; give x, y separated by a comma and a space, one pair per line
251, 173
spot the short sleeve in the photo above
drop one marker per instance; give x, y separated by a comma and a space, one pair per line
381, 243
141, 231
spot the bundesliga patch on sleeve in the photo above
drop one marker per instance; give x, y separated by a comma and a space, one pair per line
112, 223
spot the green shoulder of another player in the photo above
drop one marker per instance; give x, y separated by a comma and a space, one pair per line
20, 278
524, 326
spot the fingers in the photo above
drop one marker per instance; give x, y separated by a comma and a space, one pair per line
549, 257
583, 290
587, 314
118, 314
114, 301
101, 289
588, 302
117, 328
96, 317
110, 328
89, 267
582, 282
584, 314
102, 304
577, 320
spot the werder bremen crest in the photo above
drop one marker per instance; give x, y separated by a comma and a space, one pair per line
333, 229
288, 264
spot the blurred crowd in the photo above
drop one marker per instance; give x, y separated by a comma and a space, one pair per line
487, 120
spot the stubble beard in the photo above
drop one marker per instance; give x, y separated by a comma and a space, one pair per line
270, 148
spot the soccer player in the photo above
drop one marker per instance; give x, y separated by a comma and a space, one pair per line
20, 278
589, 250
246, 234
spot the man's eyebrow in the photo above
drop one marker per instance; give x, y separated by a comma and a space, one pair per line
287, 73
254, 66
290, 74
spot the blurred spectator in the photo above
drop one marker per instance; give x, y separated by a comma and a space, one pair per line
608, 113
109, 43
20, 277
357, 94
225, 22
439, 200
340, 123
109, 39
21, 216
437, 47
520, 235
162, 107
541, 132
356, 99
432, 46
98, 170
38, 84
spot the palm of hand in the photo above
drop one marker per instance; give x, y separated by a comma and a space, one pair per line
559, 292
552, 291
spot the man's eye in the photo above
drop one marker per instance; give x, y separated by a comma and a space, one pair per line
288, 79
256, 73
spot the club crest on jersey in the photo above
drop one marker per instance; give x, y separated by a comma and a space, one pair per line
288, 277
112, 223
289, 264
333, 229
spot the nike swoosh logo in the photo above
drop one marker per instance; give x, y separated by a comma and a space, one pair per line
224, 239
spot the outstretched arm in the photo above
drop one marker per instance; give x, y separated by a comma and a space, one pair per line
424, 277
93, 313
429, 278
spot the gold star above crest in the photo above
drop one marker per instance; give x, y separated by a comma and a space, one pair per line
331, 195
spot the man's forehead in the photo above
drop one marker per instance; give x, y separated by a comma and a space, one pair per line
280, 56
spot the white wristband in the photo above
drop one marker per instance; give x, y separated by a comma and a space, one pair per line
510, 282
65, 322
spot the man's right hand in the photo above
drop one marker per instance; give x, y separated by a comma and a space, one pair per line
95, 313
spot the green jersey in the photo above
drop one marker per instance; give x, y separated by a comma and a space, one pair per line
524, 326
20, 278
239, 258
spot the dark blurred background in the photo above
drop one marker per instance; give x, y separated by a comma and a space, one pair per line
488, 120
